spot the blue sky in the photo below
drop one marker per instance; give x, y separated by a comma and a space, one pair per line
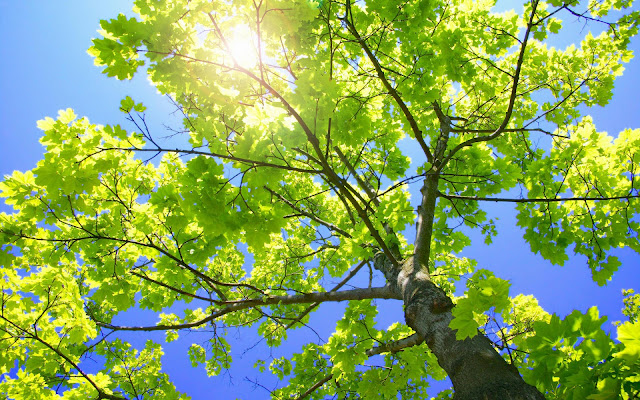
44, 67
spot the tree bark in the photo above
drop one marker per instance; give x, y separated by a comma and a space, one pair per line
475, 368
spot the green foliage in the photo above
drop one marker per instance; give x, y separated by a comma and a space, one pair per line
116, 50
574, 358
127, 105
592, 228
631, 302
295, 181
485, 292
344, 354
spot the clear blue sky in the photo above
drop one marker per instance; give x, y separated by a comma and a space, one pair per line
44, 67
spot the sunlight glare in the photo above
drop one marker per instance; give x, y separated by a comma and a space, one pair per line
243, 47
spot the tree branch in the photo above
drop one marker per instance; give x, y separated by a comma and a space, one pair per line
174, 289
363, 185
539, 200
463, 130
394, 93
205, 153
343, 282
151, 245
391, 347
308, 214
34, 336
232, 306
315, 387
512, 97
394, 347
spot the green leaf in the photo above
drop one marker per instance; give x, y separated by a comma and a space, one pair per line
126, 104
629, 336
554, 25
608, 389
197, 354
485, 292
464, 323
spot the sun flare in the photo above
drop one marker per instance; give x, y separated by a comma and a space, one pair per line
243, 47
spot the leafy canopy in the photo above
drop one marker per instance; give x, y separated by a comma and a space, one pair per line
299, 172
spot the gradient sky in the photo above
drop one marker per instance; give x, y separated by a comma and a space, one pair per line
44, 67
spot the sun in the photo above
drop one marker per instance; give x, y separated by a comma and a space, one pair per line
242, 44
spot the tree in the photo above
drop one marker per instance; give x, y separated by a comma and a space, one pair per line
294, 175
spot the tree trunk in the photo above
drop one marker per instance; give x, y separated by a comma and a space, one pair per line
476, 369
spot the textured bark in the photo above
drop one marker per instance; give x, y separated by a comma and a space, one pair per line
476, 369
